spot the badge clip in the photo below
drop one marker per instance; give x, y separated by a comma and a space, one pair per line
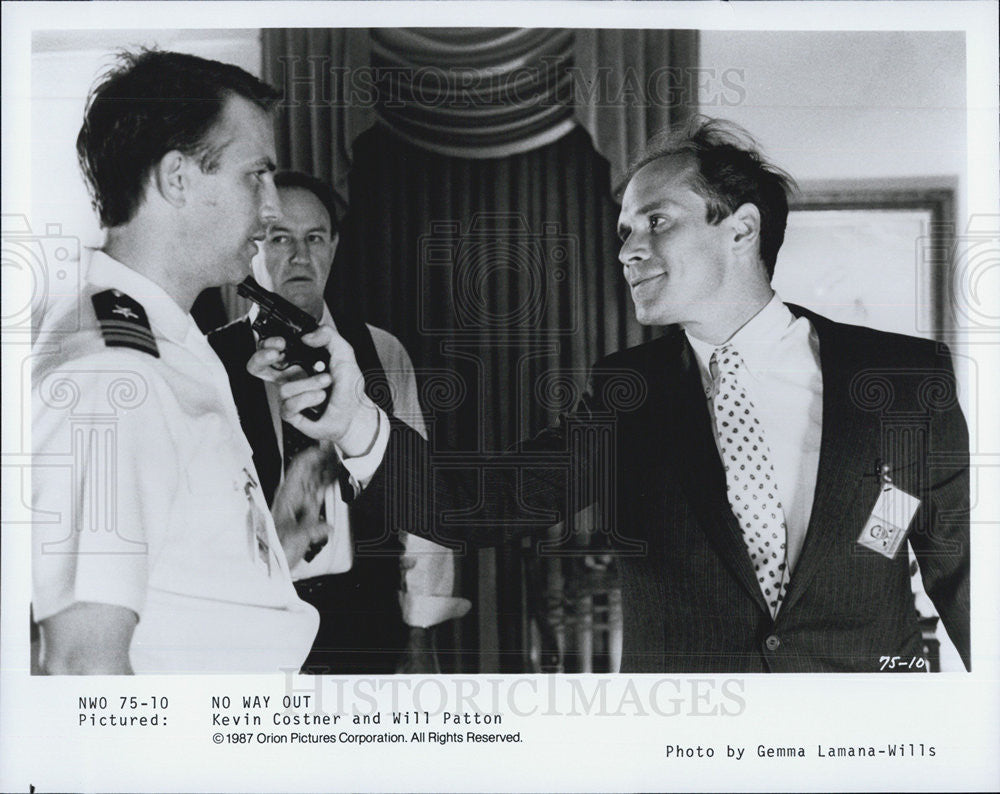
884, 471
890, 518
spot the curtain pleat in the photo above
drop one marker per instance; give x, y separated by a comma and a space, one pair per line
473, 92
325, 104
635, 84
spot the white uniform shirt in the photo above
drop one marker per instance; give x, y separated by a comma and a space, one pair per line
783, 379
146, 496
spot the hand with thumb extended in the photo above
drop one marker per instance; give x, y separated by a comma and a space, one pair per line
350, 419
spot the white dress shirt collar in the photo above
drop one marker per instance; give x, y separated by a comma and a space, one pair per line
758, 341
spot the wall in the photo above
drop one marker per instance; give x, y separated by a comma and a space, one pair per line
849, 105
884, 108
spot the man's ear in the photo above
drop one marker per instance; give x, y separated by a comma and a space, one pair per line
746, 229
170, 178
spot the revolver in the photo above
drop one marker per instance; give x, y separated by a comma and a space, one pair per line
279, 317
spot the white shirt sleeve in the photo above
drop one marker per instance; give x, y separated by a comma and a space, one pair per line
100, 481
363, 467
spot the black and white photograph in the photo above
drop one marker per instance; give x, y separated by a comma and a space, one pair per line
598, 395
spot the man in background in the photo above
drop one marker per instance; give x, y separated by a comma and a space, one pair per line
154, 550
352, 574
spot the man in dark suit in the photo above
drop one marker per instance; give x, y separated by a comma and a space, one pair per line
702, 220
352, 574
759, 468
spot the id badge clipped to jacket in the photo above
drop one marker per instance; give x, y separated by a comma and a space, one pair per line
885, 529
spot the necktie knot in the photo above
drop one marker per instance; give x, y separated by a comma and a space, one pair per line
725, 360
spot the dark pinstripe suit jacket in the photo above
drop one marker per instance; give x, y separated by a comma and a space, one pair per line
690, 599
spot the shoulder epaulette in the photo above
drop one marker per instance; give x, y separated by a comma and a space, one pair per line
124, 322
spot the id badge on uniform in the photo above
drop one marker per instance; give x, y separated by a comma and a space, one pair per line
886, 527
260, 549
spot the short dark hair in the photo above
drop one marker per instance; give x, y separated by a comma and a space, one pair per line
148, 104
730, 171
319, 188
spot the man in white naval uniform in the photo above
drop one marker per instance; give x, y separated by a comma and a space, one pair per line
153, 548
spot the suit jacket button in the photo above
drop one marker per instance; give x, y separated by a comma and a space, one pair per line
772, 643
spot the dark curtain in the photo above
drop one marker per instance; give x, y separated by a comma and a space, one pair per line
501, 279
326, 101
505, 256
475, 92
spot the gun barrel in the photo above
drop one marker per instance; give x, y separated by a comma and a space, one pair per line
249, 288
276, 308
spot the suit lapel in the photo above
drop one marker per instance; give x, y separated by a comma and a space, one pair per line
685, 429
845, 454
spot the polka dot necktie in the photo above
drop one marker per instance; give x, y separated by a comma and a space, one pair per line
750, 482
